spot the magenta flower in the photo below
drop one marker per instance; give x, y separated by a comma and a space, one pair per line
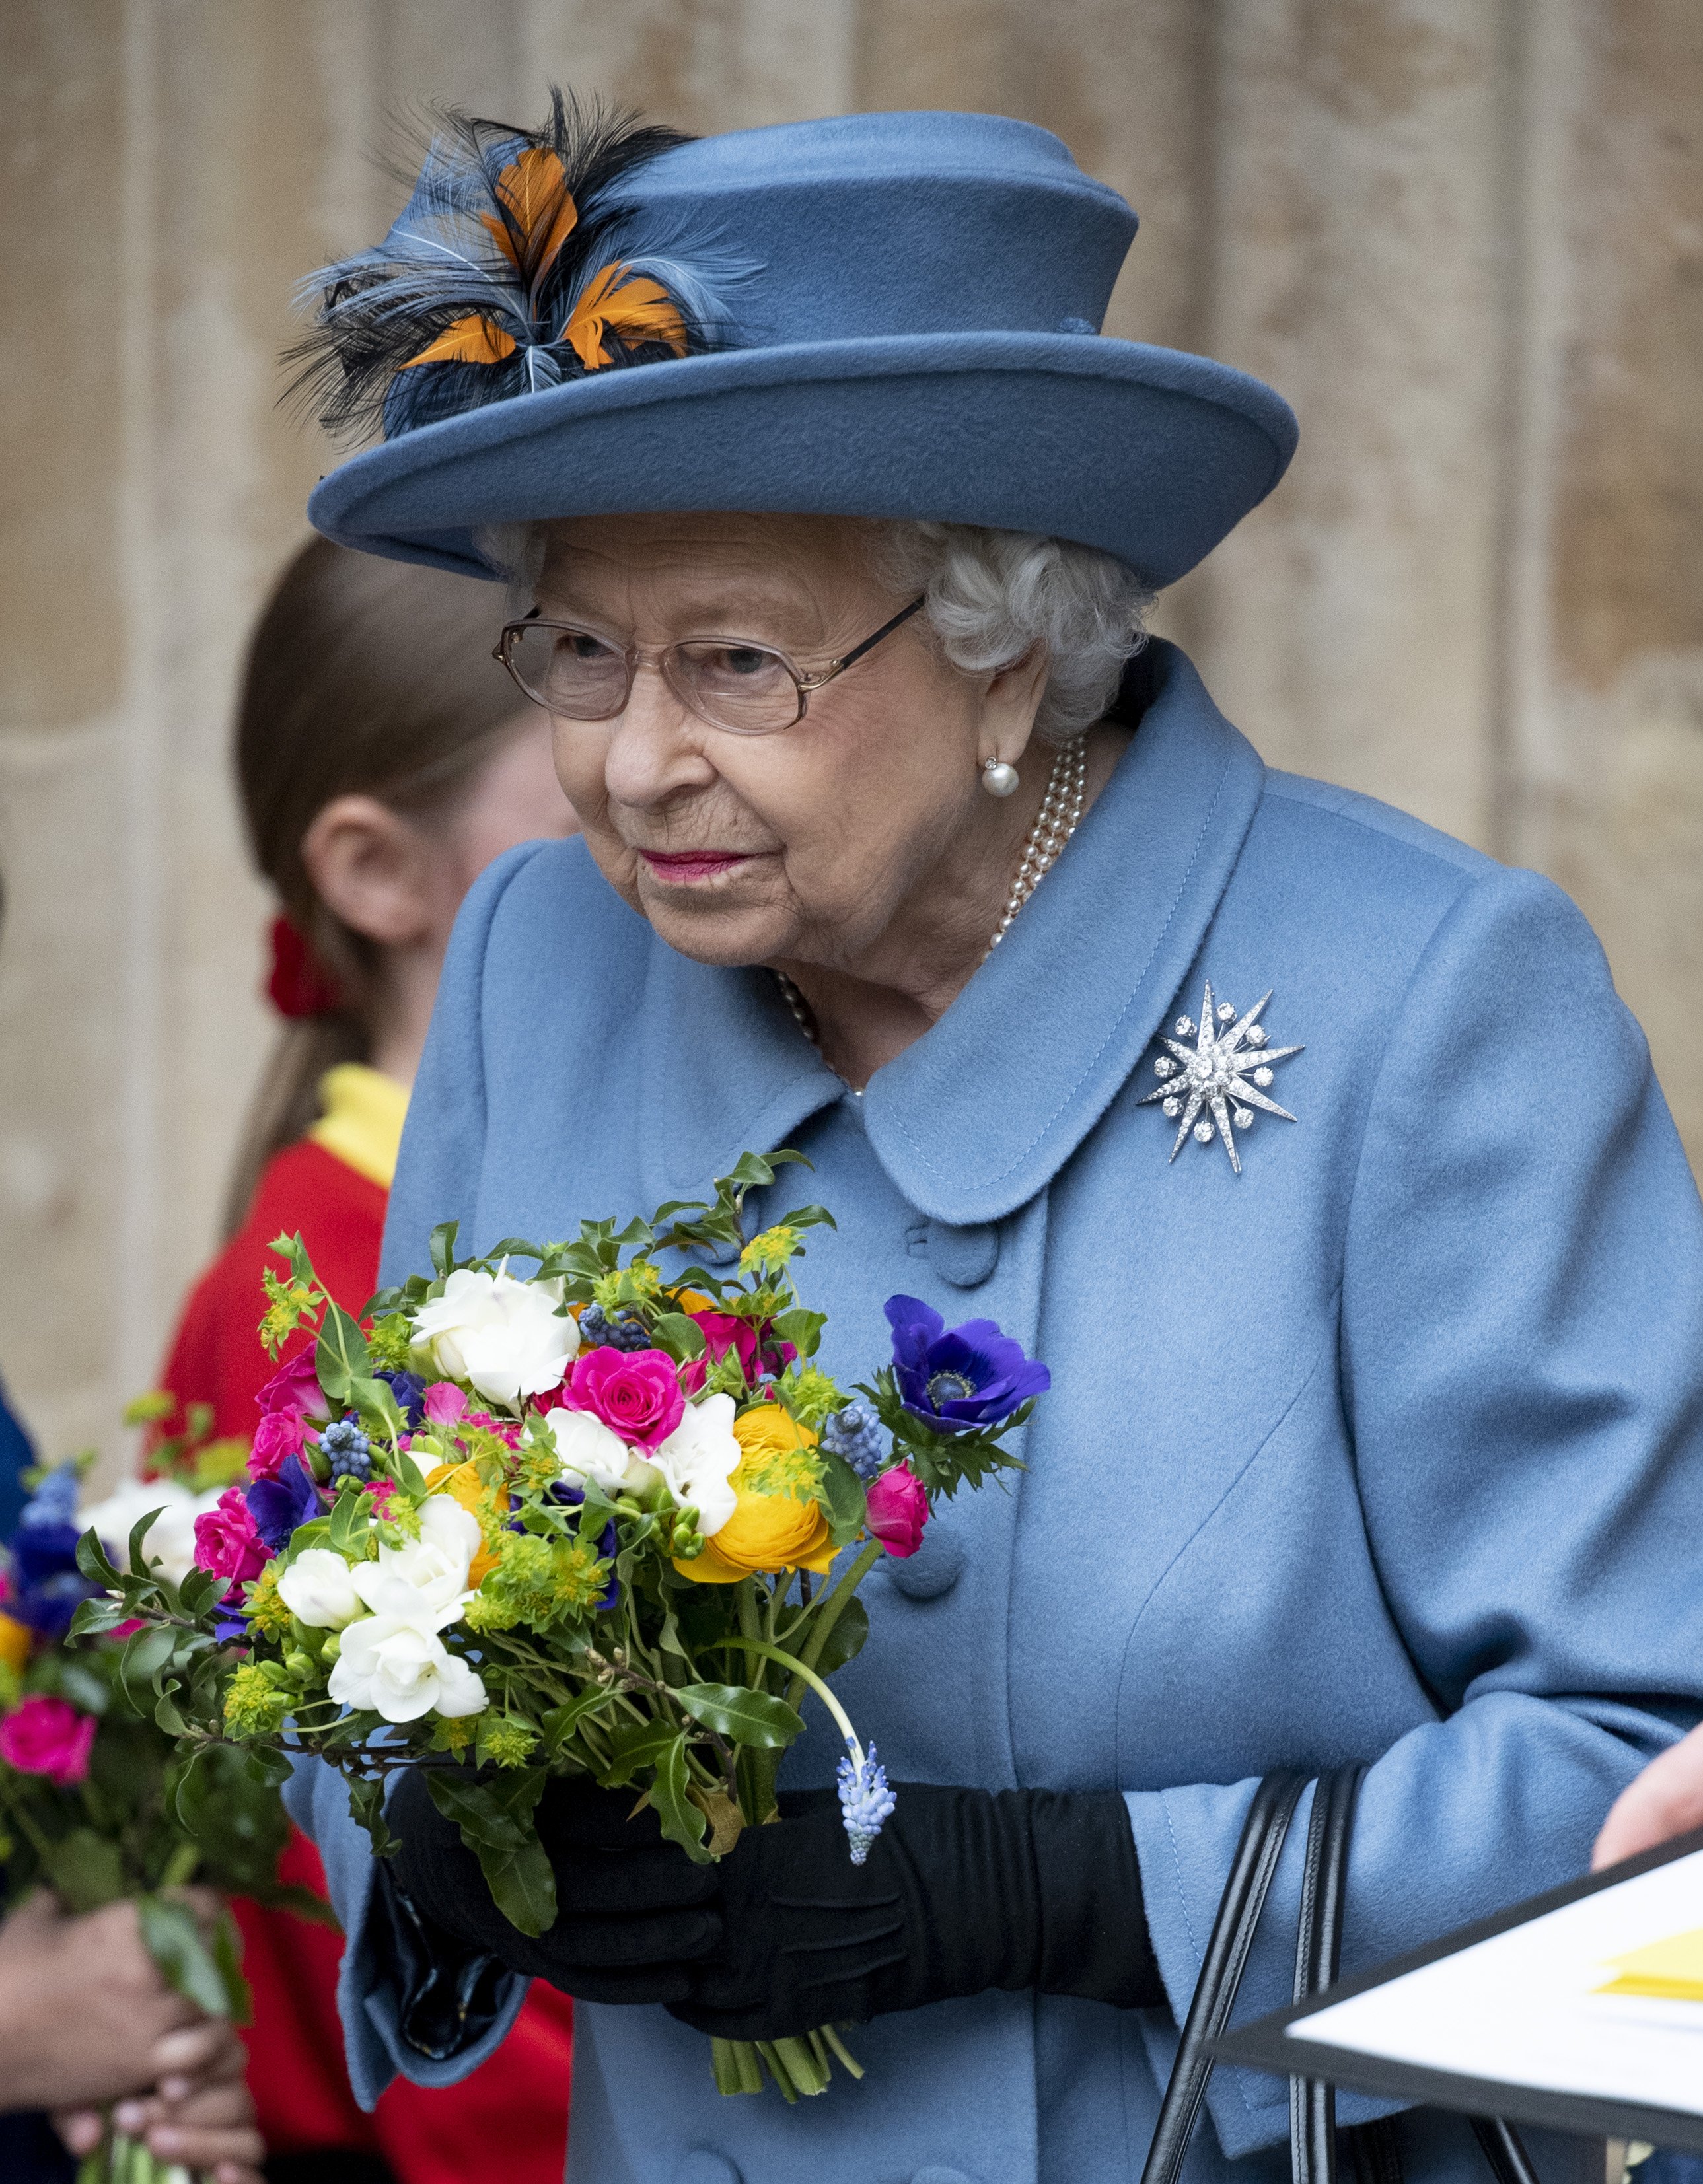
898, 1509
227, 1542
295, 1388
280, 1435
48, 1736
636, 1393
759, 1359
444, 1403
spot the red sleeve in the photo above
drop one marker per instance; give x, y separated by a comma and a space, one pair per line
216, 1355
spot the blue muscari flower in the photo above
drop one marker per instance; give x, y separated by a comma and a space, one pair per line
620, 1329
346, 1448
962, 1379
410, 1391
856, 1433
865, 1801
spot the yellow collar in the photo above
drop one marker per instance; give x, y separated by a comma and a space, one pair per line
361, 1122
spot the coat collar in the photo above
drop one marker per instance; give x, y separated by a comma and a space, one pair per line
978, 1116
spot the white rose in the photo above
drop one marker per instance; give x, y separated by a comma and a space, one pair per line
170, 1541
427, 1578
508, 1338
318, 1588
589, 1450
698, 1460
398, 1667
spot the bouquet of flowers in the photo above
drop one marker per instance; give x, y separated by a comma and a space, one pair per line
98, 1799
580, 1522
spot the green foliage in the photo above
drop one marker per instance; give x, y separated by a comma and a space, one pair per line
742, 1716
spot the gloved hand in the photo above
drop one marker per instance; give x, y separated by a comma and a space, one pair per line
964, 1889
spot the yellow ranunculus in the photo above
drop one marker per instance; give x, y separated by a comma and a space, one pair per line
15, 1641
774, 1525
461, 1482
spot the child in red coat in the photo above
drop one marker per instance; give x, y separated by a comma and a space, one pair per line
382, 765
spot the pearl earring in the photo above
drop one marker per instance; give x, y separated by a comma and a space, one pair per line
998, 778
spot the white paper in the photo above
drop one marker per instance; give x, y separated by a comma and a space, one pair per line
1520, 2009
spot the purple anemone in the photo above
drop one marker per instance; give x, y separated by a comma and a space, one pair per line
278, 1504
961, 1380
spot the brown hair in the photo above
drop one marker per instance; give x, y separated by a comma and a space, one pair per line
364, 677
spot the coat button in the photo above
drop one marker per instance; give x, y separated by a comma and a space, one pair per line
965, 1257
935, 1567
700, 2166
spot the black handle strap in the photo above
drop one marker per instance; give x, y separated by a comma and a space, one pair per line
1257, 1853
1318, 1956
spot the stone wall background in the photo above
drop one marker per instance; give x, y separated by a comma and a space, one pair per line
1465, 237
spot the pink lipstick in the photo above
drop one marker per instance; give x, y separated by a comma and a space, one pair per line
682, 867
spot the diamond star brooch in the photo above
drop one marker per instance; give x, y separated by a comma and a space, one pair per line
1226, 1071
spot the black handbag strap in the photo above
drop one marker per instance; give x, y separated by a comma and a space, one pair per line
1251, 1870
1313, 2136
1318, 1955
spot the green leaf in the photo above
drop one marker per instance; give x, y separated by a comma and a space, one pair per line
745, 1717
845, 1641
680, 1335
801, 1328
174, 1942
94, 1618
560, 1723
227, 1958
409, 1474
680, 1820
166, 1715
498, 1815
515, 1247
267, 1767
341, 1356
86, 1869
349, 1522
138, 1532
521, 1882
443, 1246
198, 1591
144, 1656
377, 1406
845, 1502
636, 1745
92, 1561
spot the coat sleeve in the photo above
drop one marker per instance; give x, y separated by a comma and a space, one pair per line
1521, 1369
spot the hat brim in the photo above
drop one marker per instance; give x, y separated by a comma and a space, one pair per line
1150, 454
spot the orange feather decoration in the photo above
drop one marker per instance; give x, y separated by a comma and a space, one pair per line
465, 341
635, 310
532, 190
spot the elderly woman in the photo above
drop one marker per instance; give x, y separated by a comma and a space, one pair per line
1312, 1150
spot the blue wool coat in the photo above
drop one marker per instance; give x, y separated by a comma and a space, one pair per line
1389, 1447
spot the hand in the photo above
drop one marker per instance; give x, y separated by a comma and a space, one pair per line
83, 2007
200, 2114
1665, 1801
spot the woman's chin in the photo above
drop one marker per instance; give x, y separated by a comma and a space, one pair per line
709, 929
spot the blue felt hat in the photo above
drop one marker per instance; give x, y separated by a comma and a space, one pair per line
882, 314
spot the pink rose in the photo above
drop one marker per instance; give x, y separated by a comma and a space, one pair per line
295, 1388
48, 1736
898, 1510
635, 1392
759, 1359
226, 1543
444, 1403
279, 1435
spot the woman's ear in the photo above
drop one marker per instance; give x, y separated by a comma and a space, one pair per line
1009, 705
373, 868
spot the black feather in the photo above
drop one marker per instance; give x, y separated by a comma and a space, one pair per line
444, 261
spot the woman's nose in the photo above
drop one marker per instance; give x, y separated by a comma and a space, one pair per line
654, 751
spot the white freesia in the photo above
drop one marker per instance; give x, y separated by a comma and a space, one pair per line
398, 1667
589, 1450
698, 1460
170, 1541
318, 1588
509, 1338
427, 1577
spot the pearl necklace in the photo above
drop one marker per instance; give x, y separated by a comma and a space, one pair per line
1060, 815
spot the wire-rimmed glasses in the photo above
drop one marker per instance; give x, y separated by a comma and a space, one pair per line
748, 689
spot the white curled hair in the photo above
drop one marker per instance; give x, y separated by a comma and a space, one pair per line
992, 598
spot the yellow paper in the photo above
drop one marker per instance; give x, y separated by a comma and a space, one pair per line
1670, 1970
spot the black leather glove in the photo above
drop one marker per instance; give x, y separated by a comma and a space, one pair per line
632, 1910
964, 1889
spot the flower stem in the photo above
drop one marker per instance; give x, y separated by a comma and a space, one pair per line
828, 1615
802, 1676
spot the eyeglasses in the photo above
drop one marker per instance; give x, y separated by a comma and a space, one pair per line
748, 689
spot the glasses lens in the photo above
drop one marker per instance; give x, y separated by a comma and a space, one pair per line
744, 688
569, 672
